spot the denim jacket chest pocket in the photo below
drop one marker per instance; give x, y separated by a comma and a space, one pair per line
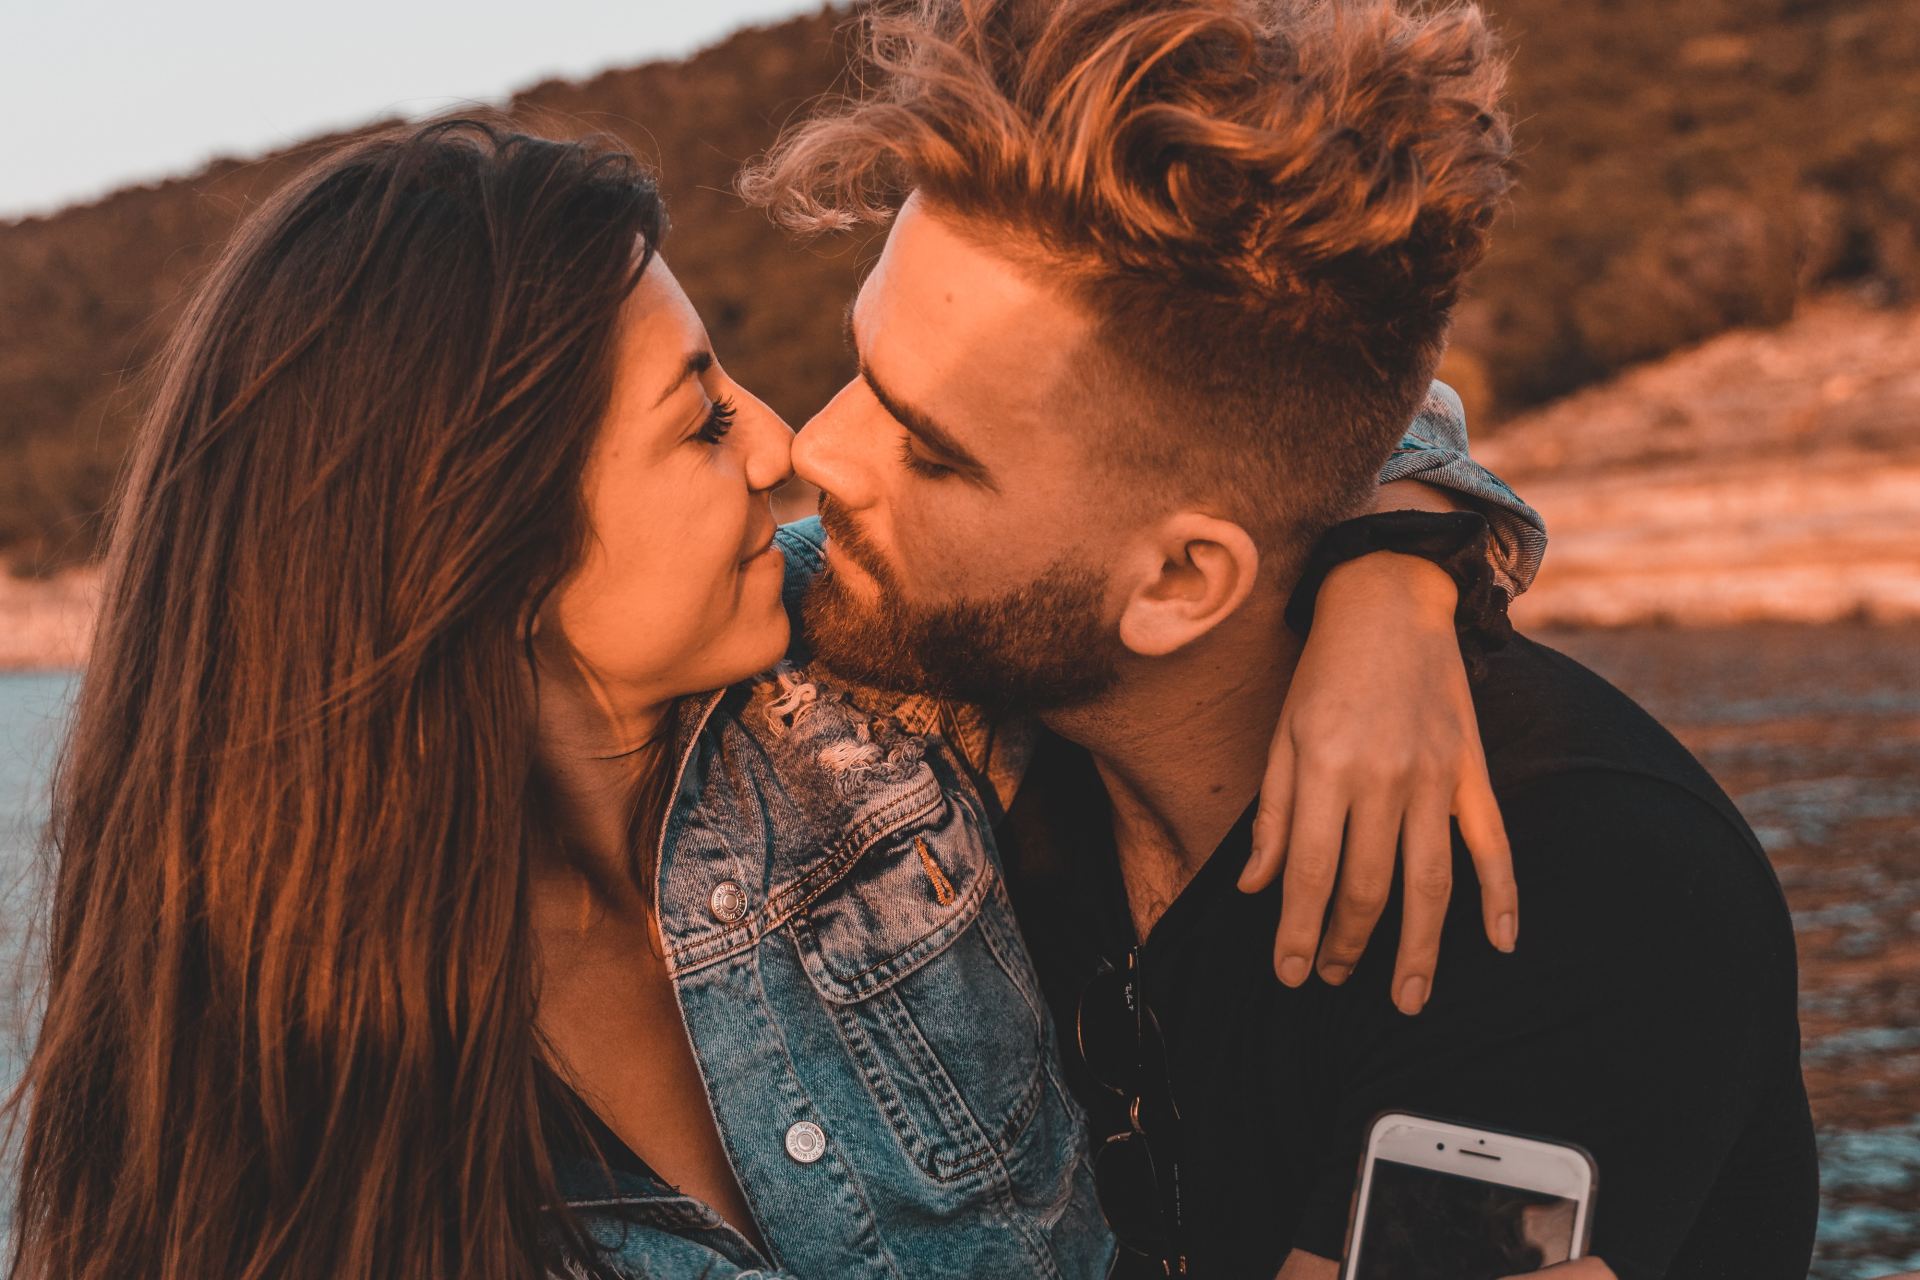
906, 948
884, 881
876, 1051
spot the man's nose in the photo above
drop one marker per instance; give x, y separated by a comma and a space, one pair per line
826, 453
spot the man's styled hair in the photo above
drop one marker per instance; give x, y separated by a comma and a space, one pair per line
1266, 206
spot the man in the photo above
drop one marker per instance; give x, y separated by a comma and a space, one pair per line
1162, 284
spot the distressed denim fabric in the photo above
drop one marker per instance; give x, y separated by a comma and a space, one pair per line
1434, 451
879, 1062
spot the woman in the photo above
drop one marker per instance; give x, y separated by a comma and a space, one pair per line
397, 820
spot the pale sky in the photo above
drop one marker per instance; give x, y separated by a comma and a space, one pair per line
99, 93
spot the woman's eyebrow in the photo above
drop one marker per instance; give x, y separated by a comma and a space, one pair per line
697, 363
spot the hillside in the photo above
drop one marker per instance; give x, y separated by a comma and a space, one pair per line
1689, 169
86, 295
1764, 475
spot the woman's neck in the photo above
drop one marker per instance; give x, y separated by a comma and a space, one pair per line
601, 748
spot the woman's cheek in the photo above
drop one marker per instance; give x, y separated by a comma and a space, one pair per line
711, 578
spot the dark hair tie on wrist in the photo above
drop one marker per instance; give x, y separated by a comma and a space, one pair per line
1454, 540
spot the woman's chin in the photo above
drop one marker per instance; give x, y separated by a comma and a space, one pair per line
758, 635
766, 644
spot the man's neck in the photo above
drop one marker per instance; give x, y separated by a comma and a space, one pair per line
1181, 743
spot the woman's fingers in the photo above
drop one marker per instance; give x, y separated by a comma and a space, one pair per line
1485, 835
1367, 867
1313, 861
1338, 831
1426, 845
1274, 816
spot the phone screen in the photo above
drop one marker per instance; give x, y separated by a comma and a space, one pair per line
1424, 1224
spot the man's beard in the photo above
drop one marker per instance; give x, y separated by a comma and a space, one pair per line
1038, 647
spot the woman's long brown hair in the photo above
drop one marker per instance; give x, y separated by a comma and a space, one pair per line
289, 1028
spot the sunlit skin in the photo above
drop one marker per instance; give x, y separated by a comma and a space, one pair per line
969, 366
679, 593
991, 365
938, 343
680, 589
963, 454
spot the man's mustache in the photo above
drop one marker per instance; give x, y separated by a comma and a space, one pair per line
852, 541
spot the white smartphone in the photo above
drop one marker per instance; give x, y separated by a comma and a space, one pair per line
1444, 1199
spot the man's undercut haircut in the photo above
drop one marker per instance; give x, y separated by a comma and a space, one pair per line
1266, 206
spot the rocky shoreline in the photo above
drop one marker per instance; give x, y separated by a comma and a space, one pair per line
46, 624
1764, 476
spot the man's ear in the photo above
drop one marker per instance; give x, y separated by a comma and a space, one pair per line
1194, 571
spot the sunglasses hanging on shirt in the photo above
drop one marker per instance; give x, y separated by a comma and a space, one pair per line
1136, 1172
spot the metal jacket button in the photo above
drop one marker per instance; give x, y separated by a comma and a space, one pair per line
806, 1142
728, 903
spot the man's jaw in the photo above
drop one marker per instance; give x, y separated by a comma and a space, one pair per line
1034, 647
852, 631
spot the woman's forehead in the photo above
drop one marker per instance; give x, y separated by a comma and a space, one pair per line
658, 312
659, 333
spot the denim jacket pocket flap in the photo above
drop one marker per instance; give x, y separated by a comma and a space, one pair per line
901, 902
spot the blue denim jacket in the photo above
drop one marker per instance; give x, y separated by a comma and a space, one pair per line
879, 1062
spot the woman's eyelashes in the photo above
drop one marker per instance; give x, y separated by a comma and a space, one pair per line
719, 421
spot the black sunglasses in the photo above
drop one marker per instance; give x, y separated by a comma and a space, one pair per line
1137, 1182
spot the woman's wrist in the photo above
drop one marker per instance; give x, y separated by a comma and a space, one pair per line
1452, 543
1407, 582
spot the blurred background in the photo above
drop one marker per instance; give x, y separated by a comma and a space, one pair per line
1695, 347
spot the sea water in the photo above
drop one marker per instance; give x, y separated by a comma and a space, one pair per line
33, 713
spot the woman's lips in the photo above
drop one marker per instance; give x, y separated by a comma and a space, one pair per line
762, 549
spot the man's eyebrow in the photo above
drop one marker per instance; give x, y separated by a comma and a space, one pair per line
697, 363
930, 433
952, 453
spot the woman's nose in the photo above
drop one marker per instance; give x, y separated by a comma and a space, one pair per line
769, 452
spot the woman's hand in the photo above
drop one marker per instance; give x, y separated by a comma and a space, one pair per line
1307, 1266
1378, 741
1585, 1269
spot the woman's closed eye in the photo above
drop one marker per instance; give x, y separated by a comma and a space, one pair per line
718, 422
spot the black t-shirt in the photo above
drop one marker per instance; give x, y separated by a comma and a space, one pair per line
580, 1143
1648, 1013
